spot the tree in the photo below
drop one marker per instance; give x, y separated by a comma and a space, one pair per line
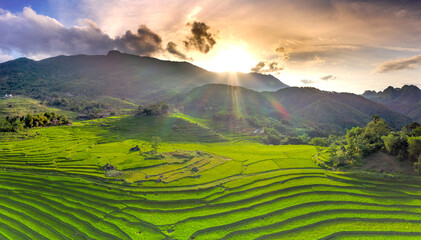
416, 132
156, 143
396, 145
417, 165
305, 138
410, 127
272, 136
17, 125
375, 118
414, 148
29, 120
318, 141
374, 131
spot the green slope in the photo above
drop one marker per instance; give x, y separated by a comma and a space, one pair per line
20, 106
318, 111
115, 75
52, 186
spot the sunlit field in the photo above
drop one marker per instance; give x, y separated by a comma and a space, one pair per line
210, 119
53, 186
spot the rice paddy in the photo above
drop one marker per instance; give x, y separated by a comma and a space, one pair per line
203, 185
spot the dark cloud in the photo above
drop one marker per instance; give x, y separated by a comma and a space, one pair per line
328, 77
34, 35
143, 42
306, 81
274, 65
400, 64
258, 67
172, 48
267, 67
283, 53
200, 39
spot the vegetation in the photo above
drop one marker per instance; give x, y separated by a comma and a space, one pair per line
238, 189
221, 162
116, 75
20, 106
16, 124
155, 109
291, 111
358, 143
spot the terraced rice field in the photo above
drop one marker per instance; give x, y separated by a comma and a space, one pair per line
53, 186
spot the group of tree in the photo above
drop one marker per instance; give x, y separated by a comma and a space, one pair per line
18, 123
358, 143
79, 105
272, 136
155, 109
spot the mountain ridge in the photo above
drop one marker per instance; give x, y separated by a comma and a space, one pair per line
406, 100
310, 107
118, 75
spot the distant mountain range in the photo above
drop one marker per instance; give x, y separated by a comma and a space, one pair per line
406, 100
307, 107
203, 93
118, 75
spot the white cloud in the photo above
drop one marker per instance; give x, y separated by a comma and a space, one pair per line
5, 57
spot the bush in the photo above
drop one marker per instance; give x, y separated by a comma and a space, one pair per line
156, 143
272, 136
417, 165
320, 142
222, 116
414, 147
155, 109
396, 145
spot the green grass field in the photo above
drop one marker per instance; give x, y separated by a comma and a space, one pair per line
20, 106
53, 186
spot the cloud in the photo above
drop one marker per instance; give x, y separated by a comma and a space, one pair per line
274, 65
35, 35
399, 64
267, 67
5, 57
283, 53
172, 48
306, 81
143, 42
328, 77
32, 34
200, 39
258, 68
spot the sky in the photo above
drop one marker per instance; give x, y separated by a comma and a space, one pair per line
333, 45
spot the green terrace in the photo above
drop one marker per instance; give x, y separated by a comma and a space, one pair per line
199, 184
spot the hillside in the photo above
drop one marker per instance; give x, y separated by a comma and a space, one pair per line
55, 186
307, 107
20, 106
211, 99
336, 110
406, 100
116, 75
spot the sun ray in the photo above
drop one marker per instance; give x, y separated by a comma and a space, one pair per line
229, 58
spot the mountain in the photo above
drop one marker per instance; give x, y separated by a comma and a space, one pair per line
335, 110
254, 81
208, 100
117, 75
324, 112
406, 100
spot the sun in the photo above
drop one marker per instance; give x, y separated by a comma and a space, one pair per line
230, 58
